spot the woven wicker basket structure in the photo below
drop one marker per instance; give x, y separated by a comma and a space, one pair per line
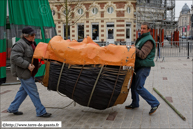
93, 76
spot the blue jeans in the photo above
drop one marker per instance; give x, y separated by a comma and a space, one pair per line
137, 88
28, 87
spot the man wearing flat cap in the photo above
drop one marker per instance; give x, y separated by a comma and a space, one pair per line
21, 67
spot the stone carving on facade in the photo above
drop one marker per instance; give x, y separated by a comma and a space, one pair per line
94, 5
63, 12
55, 10
110, 4
131, 8
79, 6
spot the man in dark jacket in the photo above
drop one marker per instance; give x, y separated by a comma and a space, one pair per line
21, 67
145, 53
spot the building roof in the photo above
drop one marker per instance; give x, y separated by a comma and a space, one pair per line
185, 9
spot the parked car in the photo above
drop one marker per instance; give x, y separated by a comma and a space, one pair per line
168, 37
80, 40
183, 37
190, 37
66, 39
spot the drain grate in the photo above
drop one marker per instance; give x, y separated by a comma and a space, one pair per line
169, 99
112, 116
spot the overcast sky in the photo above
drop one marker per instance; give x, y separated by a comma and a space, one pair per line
180, 4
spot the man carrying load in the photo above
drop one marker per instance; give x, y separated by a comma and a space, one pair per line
145, 53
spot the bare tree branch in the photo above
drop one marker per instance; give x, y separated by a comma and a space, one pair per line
69, 7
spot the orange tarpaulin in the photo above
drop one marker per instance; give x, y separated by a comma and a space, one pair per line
85, 53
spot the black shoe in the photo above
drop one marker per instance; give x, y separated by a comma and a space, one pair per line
153, 110
18, 113
46, 115
130, 107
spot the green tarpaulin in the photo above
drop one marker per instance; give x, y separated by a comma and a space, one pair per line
2, 41
34, 13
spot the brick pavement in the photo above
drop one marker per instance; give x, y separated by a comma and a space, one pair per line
172, 78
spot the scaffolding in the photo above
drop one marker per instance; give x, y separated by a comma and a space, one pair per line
151, 11
160, 14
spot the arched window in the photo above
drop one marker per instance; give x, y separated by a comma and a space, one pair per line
53, 12
94, 10
110, 10
128, 9
64, 12
80, 11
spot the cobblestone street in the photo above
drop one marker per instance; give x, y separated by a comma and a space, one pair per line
172, 78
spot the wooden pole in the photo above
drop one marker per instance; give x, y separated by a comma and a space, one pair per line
170, 104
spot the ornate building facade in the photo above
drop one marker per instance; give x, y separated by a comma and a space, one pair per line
102, 20
191, 21
184, 21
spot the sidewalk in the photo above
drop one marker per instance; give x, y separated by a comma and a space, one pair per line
172, 78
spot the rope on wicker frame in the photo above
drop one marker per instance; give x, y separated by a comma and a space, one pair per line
77, 81
58, 90
59, 80
114, 87
44, 71
95, 85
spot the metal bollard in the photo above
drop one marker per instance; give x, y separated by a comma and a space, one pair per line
158, 49
188, 50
